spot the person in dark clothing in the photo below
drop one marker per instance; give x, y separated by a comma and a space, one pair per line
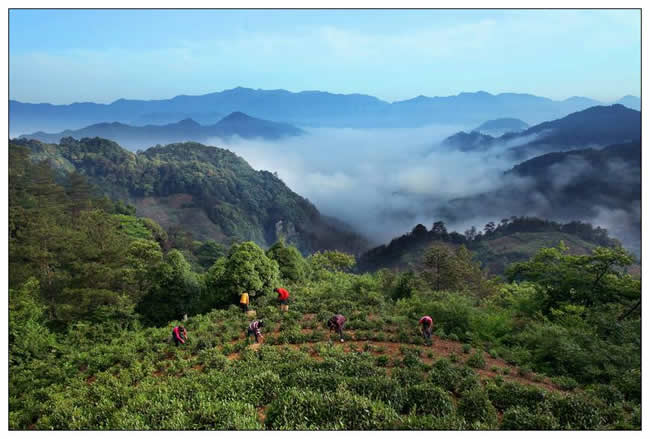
179, 334
336, 323
254, 329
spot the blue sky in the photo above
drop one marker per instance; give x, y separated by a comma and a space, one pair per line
64, 56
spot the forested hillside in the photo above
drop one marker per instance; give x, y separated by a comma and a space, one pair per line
210, 191
496, 246
94, 293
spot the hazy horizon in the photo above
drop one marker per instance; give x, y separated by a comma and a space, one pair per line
104, 55
82, 101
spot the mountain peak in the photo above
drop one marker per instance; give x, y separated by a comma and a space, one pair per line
237, 116
188, 122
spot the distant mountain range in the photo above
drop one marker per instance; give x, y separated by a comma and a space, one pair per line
595, 126
133, 137
306, 108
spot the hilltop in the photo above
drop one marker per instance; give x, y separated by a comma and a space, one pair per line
208, 191
501, 126
135, 137
497, 246
594, 127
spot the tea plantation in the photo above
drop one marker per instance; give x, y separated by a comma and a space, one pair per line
98, 377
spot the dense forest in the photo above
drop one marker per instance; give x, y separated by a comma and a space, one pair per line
496, 246
94, 292
214, 190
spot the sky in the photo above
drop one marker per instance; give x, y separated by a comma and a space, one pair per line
65, 56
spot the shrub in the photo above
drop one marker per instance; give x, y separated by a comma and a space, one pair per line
424, 422
428, 399
514, 394
336, 411
577, 412
607, 392
407, 376
565, 383
313, 380
381, 360
381, 388
445, 375
467, 348
476, 360
475, 406
212, 358
220, 415
522, 418
629, 383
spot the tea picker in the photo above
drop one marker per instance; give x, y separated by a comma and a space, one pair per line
336, 323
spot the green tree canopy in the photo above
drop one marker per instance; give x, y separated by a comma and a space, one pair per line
291, 263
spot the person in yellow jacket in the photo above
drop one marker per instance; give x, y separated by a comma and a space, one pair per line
243, 301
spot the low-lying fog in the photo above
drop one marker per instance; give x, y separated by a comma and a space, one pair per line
385, 181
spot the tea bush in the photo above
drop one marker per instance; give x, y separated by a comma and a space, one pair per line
577, 412
428, 399
476, 360
338, 410
522, 418
475, 406
511, 394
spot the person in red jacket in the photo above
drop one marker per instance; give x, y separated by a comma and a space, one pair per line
283, 297
427, 327
179, 334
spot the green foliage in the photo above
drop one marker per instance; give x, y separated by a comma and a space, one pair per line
176, 293
579, 279
80, 358
522, 418
29, 339
208, 252
248, 269
331, 261
476, 360
292, 265
510, 394
447, 268
428, 399
332, 411
565, 383
476, 407
578, 412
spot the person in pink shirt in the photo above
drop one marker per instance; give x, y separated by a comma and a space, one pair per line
179, 334
427, 327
